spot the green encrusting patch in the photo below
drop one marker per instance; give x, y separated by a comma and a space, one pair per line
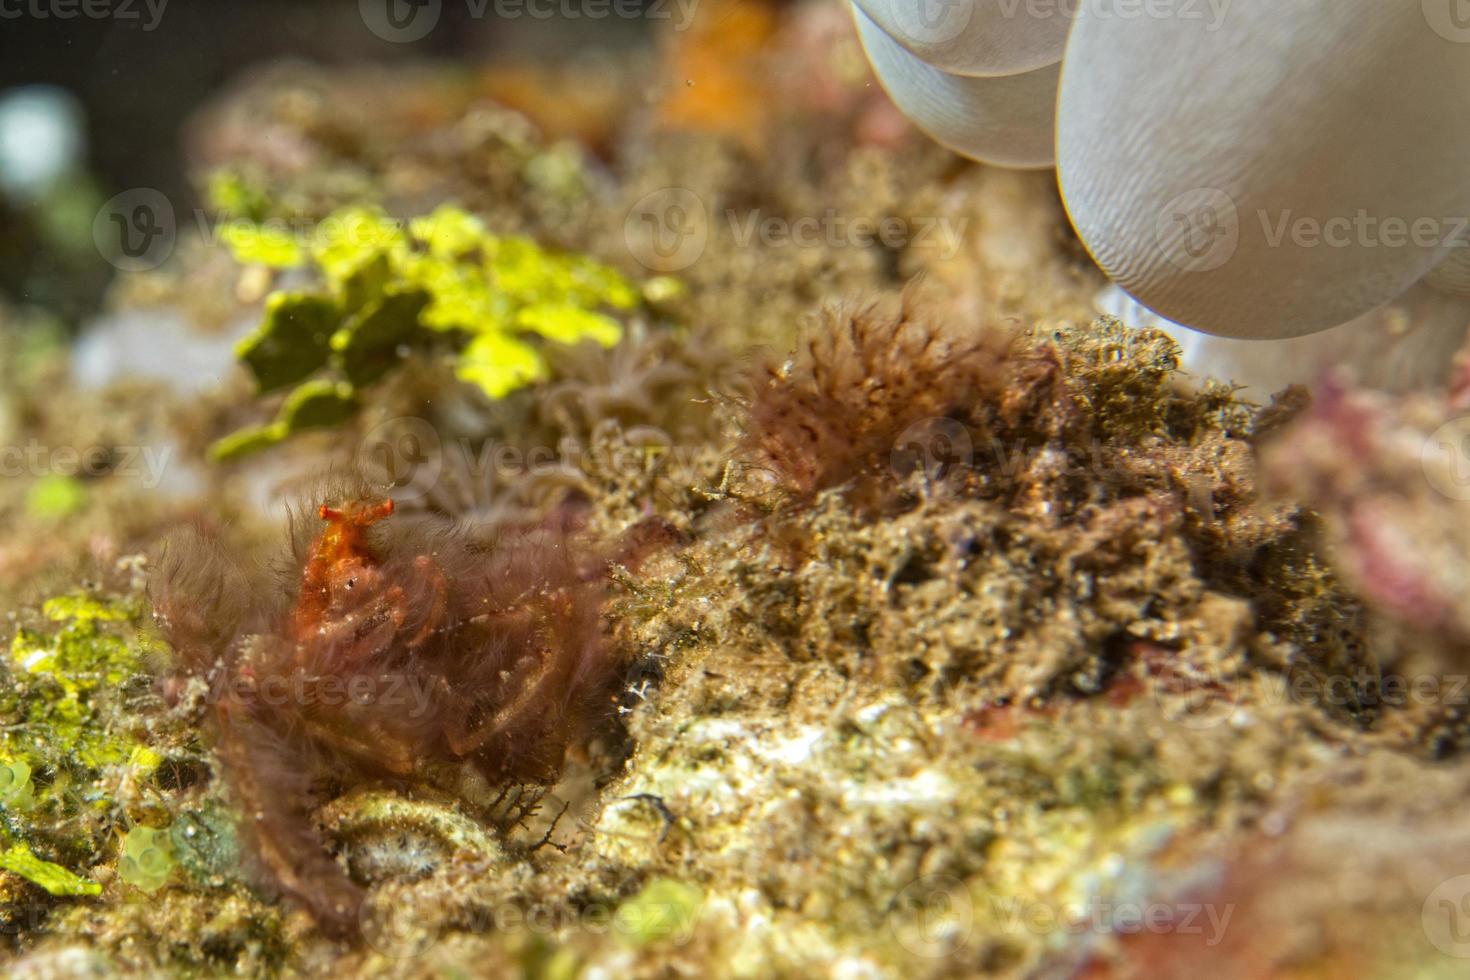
664, 909
63, 753
62, 674
55, 497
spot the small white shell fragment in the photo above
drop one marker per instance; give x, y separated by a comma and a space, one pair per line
1276, 176
1004, 120
976, 37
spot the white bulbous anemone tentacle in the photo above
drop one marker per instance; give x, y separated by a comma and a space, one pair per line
1189, 158
1275, 168
1452, 275
975, 37
979, 76
1405, 345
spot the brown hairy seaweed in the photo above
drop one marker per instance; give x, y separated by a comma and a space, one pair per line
390, 649
870, 396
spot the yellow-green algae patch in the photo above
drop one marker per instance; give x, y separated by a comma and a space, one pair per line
72, 671
65, 748
390, 289
52, 877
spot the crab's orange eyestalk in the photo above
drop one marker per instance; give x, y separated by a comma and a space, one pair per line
356, 514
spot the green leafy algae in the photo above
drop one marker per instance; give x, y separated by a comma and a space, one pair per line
53, 877
391, 290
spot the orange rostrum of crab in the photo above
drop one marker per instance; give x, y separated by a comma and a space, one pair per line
345, 602
339, 560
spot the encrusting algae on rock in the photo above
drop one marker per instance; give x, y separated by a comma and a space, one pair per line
69, 683
937, 668
951, 634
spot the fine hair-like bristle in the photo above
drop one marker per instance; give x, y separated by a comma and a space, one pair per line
836, 410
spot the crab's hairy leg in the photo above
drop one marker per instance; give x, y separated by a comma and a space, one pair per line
532, 697
270, 776
439, 586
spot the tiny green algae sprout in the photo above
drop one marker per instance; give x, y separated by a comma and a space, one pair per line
390, 289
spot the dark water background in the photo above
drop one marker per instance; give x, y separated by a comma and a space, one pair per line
139, 79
